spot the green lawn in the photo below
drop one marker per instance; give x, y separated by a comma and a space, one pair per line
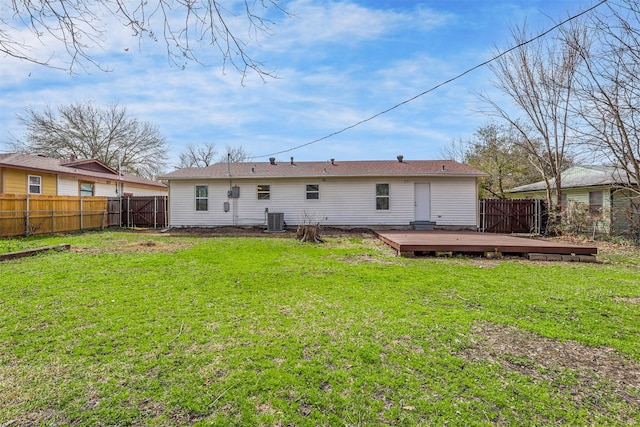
144, 329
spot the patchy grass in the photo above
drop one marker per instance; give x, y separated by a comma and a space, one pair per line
150, 329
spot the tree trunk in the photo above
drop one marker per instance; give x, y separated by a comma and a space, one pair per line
309, 233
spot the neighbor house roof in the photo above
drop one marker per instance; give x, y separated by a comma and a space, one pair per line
293, 169
87, 168
581, 176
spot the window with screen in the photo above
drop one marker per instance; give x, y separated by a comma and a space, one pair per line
35, 184
313, 192
382, 197
202, 197
87, 189
595, 202
264, 192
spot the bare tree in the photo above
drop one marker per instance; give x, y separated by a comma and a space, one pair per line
539, 78
235, 154
86, 131
198, 156
184, 27
498, 150
203, 155
456, 150
610, 88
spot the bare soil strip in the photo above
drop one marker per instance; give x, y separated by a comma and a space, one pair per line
527, 353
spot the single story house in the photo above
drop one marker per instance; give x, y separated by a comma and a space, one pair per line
599, 195
440, 193
26, 174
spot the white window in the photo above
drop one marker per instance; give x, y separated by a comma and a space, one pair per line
35, 184
264, 192
382, 197
595, 203
313, 192
87, 189
202, 197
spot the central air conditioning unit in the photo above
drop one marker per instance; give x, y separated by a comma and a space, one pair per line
275, 221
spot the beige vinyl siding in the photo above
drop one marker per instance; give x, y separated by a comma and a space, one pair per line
342, 201
139, 190
625, 212
70, 186
182, 205
454, 202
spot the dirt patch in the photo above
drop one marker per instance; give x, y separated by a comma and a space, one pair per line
604, 248
364, 259
228, 231
261, 232
147, 246
632, 300
538, 357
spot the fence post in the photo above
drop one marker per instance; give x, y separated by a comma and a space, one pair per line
27, 226
53, 221
155, 212
165, 215
104, 218
81, 216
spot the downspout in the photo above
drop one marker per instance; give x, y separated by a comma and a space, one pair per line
229, 170
230, 199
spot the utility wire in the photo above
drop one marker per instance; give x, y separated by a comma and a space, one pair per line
498, 56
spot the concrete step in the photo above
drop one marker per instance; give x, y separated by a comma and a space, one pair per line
422, 225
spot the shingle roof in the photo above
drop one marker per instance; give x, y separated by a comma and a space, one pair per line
581, 176
66, 167
294, 169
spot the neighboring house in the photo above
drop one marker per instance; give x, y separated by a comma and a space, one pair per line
333, 193
600, 196
26, 174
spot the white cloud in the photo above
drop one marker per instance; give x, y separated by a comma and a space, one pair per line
339, 61
344, 23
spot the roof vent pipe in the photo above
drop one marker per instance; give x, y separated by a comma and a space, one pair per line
400, 157
443, 168
333, 162
272, 160
292, 160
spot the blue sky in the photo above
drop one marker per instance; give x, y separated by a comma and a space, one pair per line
337, 62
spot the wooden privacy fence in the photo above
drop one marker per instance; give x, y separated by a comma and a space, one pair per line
513, 216
138, 211
24, 215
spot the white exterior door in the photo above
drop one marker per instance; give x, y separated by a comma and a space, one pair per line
423, 201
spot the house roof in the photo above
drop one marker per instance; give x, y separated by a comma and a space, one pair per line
89, 168
581, 176
292, 169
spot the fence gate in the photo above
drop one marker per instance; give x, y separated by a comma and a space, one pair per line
513, 216
138, 211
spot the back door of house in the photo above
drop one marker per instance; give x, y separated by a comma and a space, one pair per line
423, 201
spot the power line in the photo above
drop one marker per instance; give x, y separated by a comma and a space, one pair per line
413, 98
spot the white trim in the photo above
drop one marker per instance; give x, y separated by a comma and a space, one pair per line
307, 192
196, 198
39, 185
388, 197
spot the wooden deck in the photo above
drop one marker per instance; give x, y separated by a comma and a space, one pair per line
409, 242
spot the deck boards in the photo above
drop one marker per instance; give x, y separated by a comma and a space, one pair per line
471, 242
